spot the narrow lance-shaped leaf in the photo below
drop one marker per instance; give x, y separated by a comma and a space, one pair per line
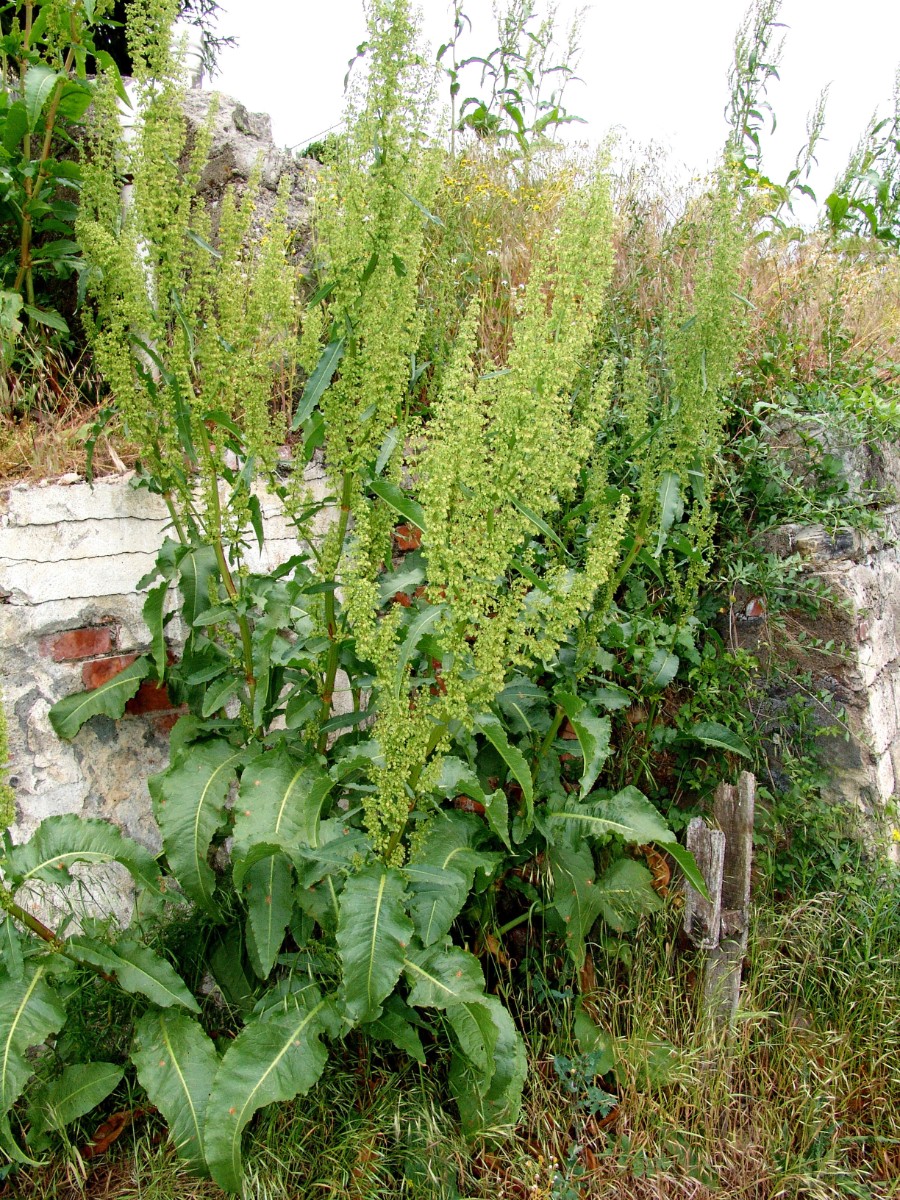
176, 1064
190, 806
493, 730
80, 1088
398, 500
69, 714
155, 622
137, 969
60, 842
276, 1057
671, 506
319, 382
688, 864
373, 933
423, 622
593, 737
270, 902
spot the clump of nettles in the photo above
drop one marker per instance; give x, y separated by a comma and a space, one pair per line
186, 320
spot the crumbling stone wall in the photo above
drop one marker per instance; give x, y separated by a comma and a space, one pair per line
70, 618
861, 673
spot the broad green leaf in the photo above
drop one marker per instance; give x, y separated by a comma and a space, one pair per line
321, 871
137, 969
270, 901
476, 1032
275, 1058
46, 316
628, 814
395, 1025
40, 81
593, 737
60, 842
651, 1062
189, 803
219, 693
671, 506
176, 1064
713, 734
398, 500
406, 579
226, 962
196, 569
441, 873
279, 804
688, 864
30, 1011
14, 129
576, 897
493, 730
372, 936
593, 1040
69, 714
440, 977
319, 382
80, 1088
500, 1102
423, 622
662, 669
11, 948
625, 892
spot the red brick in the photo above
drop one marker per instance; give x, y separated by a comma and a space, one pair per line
150, 697
88, 642
101, 670
165, 722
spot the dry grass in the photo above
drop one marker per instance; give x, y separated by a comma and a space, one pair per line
47, 406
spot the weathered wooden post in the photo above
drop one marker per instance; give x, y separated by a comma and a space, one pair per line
720, 926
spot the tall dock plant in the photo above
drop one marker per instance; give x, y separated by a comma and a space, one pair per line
342, 864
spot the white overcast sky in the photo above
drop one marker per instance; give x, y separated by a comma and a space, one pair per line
656, 69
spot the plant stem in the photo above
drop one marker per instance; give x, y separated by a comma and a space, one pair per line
640, 537
331, 663
545, 745
25, 918
41, 930
215, 509
520, 920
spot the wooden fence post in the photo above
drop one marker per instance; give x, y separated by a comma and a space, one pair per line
720, 926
